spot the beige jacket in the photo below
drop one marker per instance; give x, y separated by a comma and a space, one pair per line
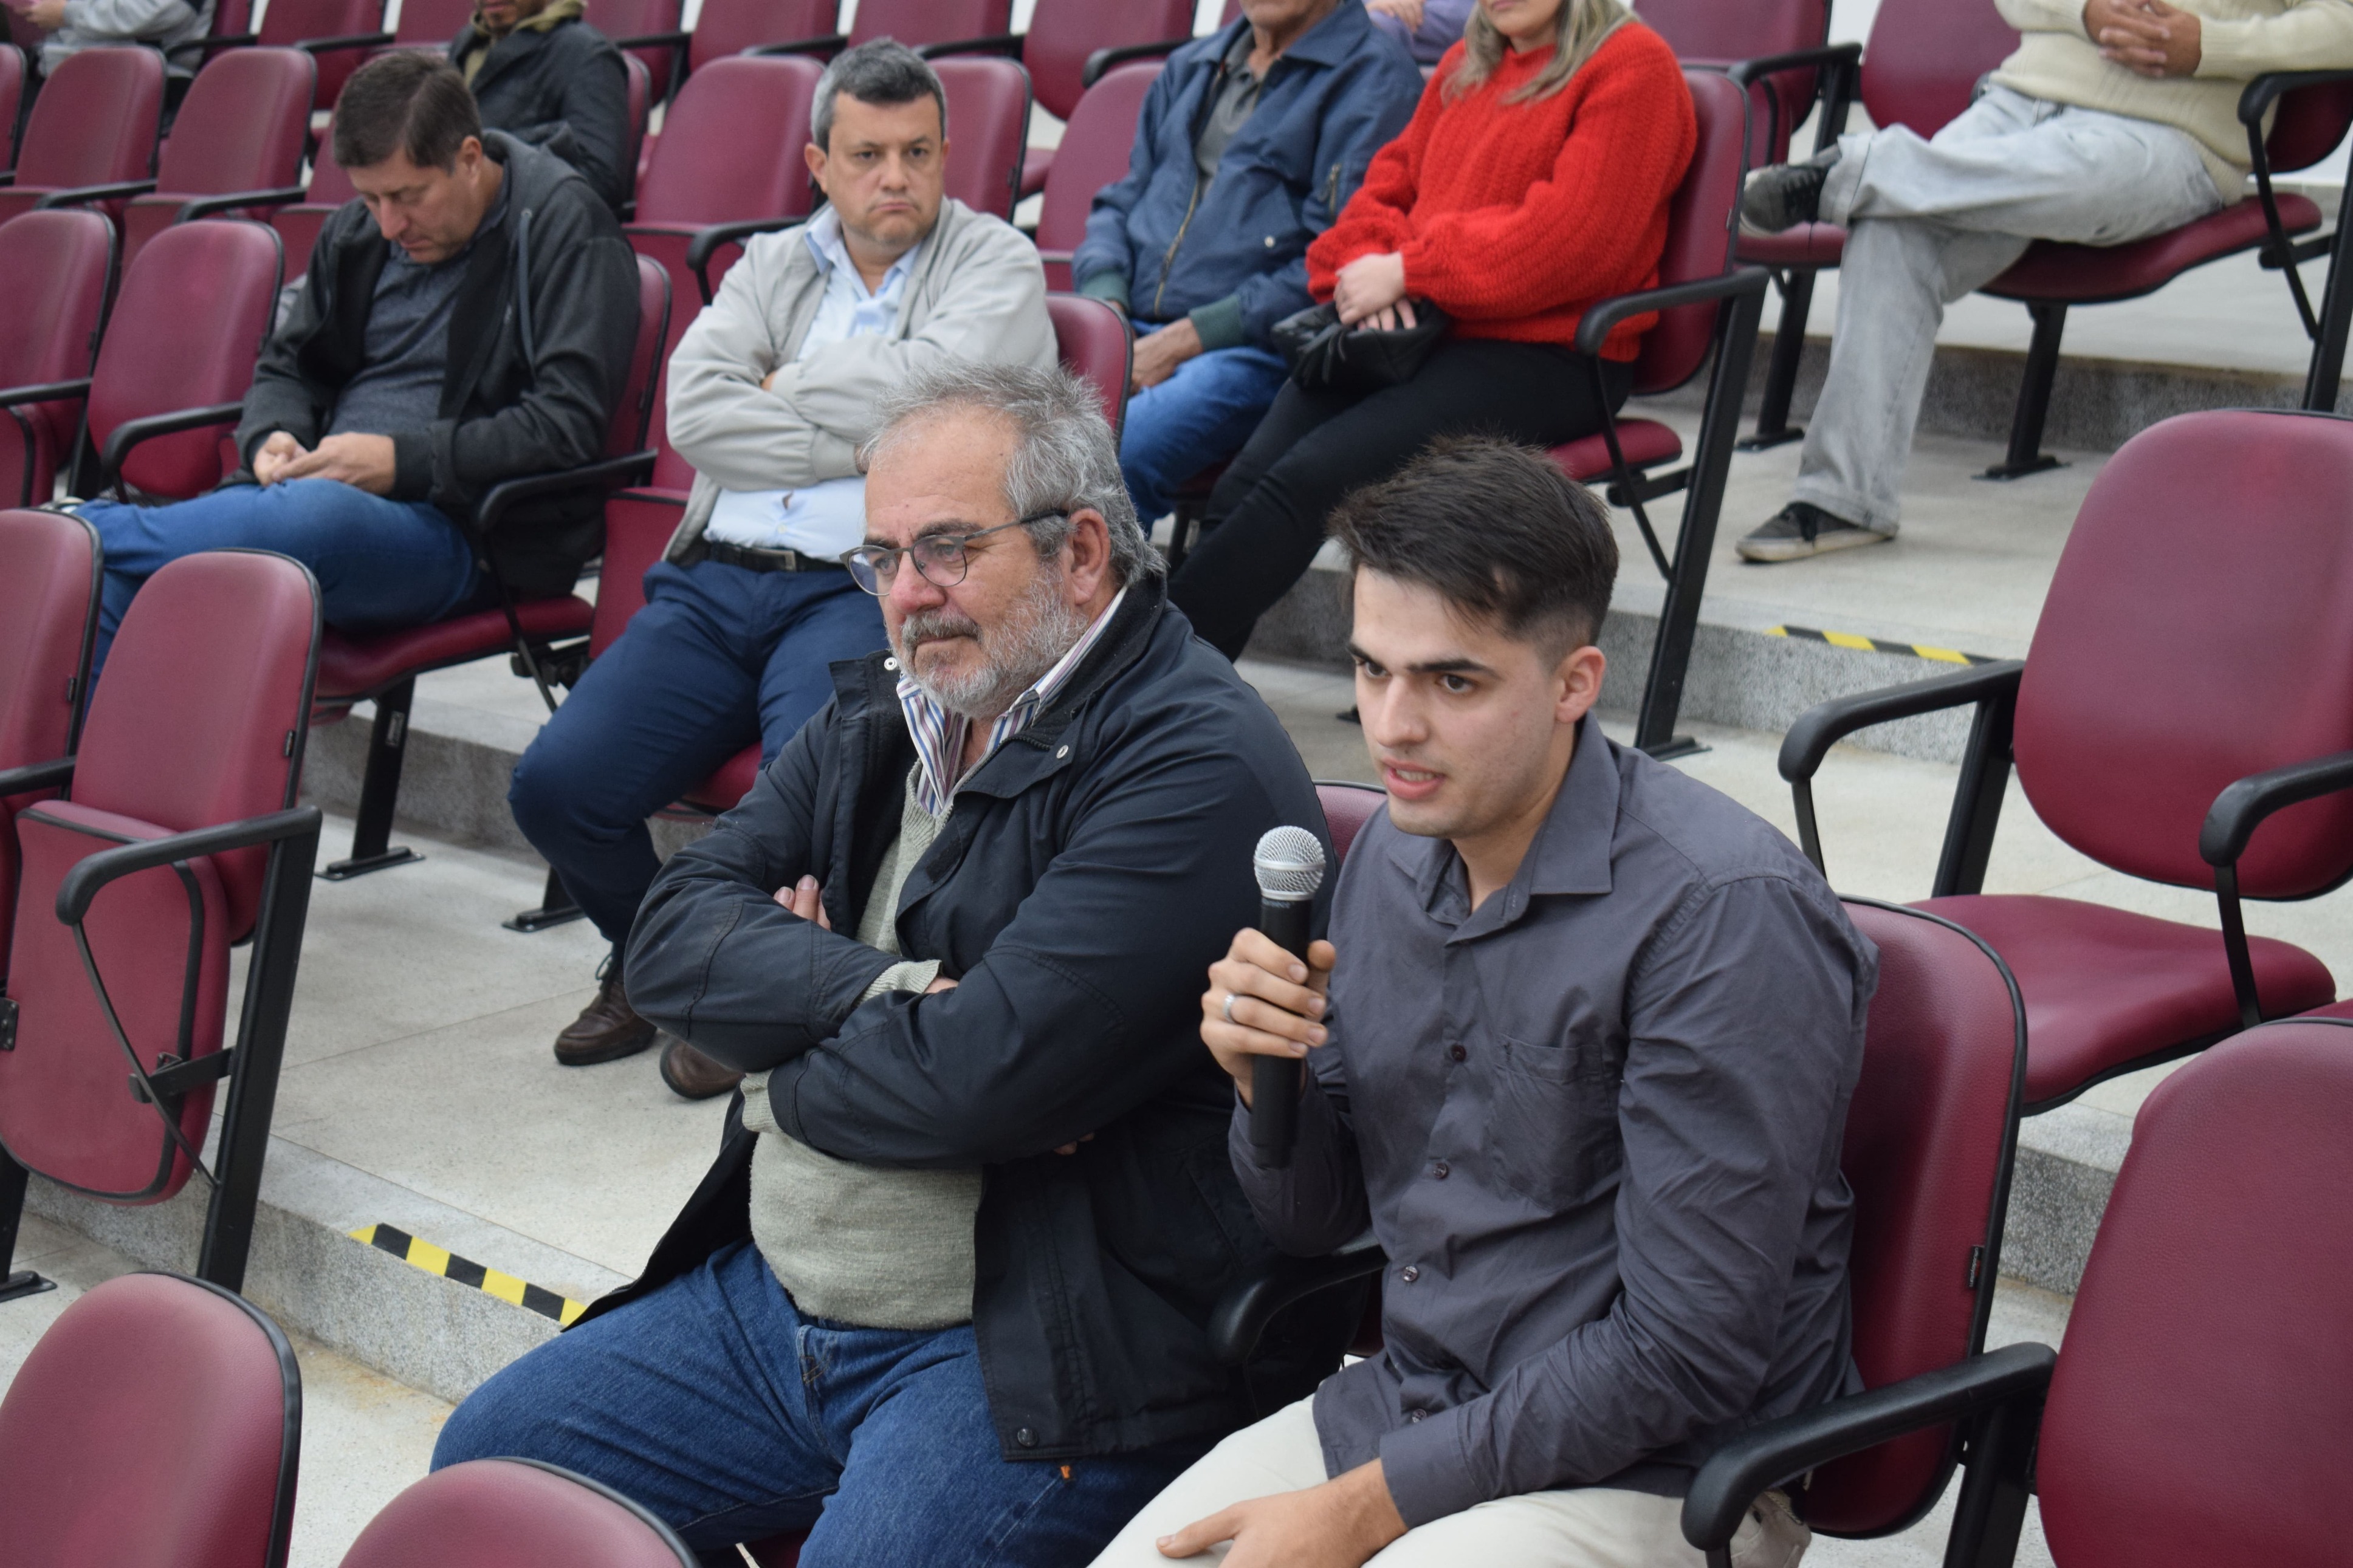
2240, 39
977, 292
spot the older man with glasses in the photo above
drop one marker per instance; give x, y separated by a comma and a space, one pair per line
945, 1296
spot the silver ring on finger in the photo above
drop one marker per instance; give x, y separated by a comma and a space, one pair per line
1229, 1008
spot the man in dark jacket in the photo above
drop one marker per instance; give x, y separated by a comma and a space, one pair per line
1249, 145
543, 76
952, 1274
368, 441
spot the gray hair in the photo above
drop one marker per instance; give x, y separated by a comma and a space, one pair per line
880, 71
1065, 458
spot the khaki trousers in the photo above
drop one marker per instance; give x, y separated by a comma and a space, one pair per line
1589, 1527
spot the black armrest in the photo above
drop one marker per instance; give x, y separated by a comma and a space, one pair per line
1243, 1313
2257, 97
651, 40
1825, 725
1102, 61
76, 195
1007, 43
1826, 57
131, 431
1596, 324
823, 44
608, 471
82, 884
55, 773
205, 207
2242, 807
706, 241
1762, 1457
343, 41
44, 391
230, 41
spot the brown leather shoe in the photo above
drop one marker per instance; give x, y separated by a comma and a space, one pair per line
607, 1028
692, 1075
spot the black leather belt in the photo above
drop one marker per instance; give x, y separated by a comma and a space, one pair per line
757, 560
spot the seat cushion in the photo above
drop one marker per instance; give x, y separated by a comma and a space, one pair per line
1807, 244
2334, 1010
1645, 442
351, 668
730, 785
2105, 987
2090, 274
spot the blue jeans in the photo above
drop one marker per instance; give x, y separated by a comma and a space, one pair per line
1201, 415
381, 565
717, 1405
720, 656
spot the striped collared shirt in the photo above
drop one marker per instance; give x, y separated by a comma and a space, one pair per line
940, 734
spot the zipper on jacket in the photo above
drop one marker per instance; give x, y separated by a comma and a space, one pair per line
1169, 257
1332, 193
1208, 107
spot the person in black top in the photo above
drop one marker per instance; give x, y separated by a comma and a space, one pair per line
543, 75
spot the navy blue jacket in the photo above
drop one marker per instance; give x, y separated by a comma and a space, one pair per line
1093, 867
1235, 261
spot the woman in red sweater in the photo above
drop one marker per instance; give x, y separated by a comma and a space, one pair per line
1534, 180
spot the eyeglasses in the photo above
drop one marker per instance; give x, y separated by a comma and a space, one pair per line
941, 558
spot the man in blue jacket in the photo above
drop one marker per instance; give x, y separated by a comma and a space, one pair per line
1249, 145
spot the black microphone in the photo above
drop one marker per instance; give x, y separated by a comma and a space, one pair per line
1290, 868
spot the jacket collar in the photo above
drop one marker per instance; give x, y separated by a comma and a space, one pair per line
1329, 42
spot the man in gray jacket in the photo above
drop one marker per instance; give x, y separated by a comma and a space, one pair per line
175, 27
772, 391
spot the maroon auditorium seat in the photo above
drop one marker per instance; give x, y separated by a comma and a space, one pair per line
1064, 35
300, 224
432, 24
383, 668
158, 1420
1347, 808
1091, 340
1096, 145
91, 133
988, 122
50, 578
12, 99
2153, 731
931, 24
235, 144
514, 1513
180, 838
627, 21
2196, 1414
724, 28
339, 34
1724, 33
56, 270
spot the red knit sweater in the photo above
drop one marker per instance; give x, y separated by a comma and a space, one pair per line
1515, 216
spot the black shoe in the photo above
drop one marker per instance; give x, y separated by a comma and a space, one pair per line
692, 1075
1783, 195
1802, 529
607, 1028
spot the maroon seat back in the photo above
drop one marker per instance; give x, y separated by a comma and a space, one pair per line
1721, 32
12, 99
1096, 147
299, 226
158, 1420
700, 173
2198, 1414
2309, 124
1930, 1135
49, 576
241, 128
94, 124
285, 23
988, 129
1347, 808
637, 525
635, 18
640, 109
433, 23
2177, 652
186, 328
625, 431
1093, 341
56, 270
1063, 33
197, 720
726, 27
514, 1513
1924, 57
916, 23
1699, 232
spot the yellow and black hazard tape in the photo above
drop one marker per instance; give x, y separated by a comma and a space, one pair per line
465, 1271
1880, 645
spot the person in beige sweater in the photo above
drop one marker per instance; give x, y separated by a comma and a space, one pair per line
2114, 120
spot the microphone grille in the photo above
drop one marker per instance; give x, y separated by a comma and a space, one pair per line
1289, 864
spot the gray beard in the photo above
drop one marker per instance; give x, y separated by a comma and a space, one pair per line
1031, 641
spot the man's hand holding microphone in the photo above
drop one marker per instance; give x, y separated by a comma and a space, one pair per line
1263, 1002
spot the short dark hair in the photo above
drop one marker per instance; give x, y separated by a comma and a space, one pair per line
880, 71
407, 101
1497, 530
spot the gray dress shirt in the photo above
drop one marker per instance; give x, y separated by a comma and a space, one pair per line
1595, 1124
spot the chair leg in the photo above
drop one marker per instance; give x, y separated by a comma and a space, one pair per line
556, 909
22, 1281
1181, 528
1773, 426
2335, 310
2026, 454
379, 790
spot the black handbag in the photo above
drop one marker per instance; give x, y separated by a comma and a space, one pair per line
1326, 356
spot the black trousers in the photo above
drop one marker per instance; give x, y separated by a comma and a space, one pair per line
1265, 520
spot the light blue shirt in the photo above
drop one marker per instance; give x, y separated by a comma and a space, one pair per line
826, 519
